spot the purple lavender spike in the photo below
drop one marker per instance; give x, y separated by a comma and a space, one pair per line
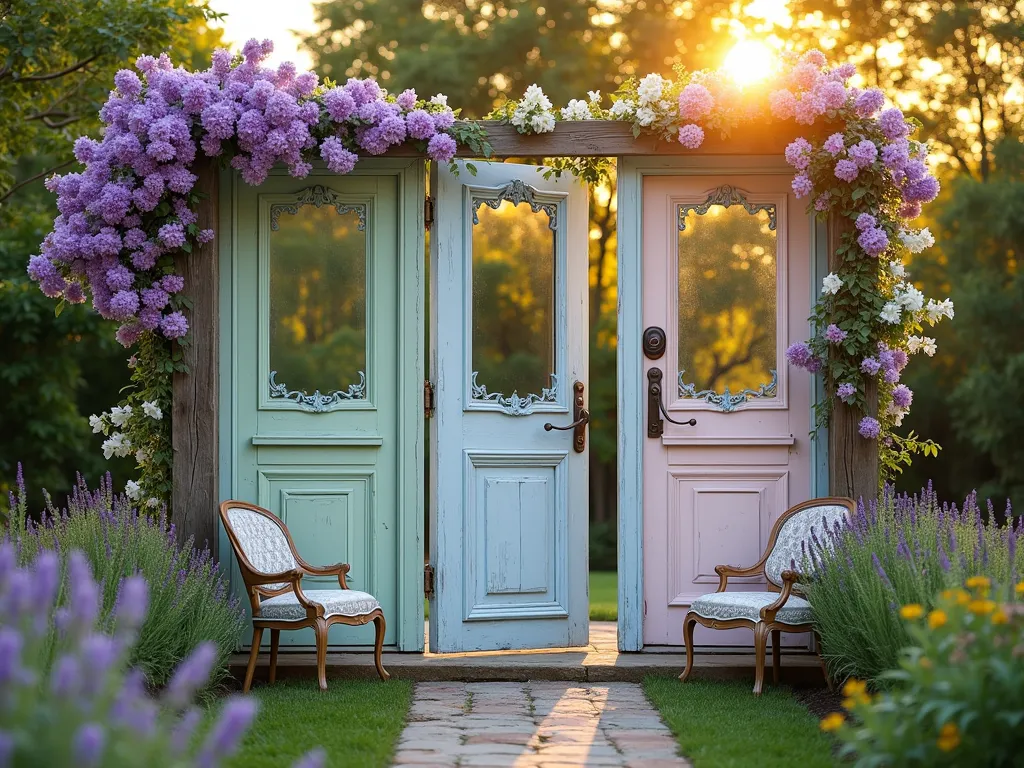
881, 571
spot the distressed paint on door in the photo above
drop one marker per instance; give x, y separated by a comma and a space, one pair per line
345, 471
712, 491
508, 499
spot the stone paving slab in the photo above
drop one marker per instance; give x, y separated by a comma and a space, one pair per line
535, 724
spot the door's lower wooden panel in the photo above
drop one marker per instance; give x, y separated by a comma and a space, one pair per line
515, 536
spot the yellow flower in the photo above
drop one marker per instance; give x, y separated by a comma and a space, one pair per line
936, 619
912, 611
979, 582
981, 607
832, 722
1020, 588
854, 688
925, 662
1000, 617
949, 737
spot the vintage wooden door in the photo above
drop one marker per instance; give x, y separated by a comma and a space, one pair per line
322, 350
726, 288
509, 505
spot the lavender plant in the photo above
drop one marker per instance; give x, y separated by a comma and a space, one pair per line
901, 550
189, 603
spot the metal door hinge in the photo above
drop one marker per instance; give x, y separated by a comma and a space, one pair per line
428, 399
428, 580
428, 211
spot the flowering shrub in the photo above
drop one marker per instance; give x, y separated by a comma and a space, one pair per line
901, 550
188, 599
868, 172
67, 696
957, 694
123, 218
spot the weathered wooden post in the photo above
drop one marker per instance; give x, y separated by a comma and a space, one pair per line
194, 429
853, 461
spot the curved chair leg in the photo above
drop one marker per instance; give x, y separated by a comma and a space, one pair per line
320, 629
378, 645
776, 655
760, 641
688, 625
275, 636
257, 636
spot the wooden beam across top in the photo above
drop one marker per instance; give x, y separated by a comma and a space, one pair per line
614, 138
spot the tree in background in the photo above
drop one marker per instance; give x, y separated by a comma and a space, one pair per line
57, 60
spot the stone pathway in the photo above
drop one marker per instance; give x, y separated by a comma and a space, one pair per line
534, 724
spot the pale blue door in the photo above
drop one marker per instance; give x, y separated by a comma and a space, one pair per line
509, 505
323, 364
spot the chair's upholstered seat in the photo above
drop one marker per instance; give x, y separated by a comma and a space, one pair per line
336, 602
725, 606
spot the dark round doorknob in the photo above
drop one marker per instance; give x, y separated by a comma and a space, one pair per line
654, 342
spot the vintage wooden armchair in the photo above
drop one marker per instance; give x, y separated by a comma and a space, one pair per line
273, 571
782, 608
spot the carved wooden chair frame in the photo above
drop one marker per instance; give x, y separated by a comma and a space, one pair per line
767, 624
255, 588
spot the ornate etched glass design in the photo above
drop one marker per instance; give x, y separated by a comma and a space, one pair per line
728, 300
513, 279
513, 404
318, 300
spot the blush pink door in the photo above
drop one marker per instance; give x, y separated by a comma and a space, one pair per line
726, 271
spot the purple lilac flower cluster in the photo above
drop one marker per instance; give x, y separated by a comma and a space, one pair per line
125, 215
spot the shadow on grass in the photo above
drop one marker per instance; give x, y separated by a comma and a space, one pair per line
723, 725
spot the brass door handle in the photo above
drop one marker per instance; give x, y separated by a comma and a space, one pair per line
656, 406
580, 416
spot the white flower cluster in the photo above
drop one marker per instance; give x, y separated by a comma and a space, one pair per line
578, 109
917, 241
650, 106
117, 443
534, 113
909, 299
831, 284
924, 344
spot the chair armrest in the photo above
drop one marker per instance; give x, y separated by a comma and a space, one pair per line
789, 578
292, 576
338, 569
725, 571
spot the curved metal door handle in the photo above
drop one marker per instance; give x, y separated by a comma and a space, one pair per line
656, 406
580, 416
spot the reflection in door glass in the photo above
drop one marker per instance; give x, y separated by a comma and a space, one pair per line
727, 299
318, 300
513, 277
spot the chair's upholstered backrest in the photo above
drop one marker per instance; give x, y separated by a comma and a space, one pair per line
263, 543
789, 545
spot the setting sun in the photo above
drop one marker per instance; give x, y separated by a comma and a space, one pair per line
749, 61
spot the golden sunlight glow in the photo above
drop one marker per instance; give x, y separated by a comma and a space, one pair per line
749, 61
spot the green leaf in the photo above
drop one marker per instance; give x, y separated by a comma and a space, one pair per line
59, 308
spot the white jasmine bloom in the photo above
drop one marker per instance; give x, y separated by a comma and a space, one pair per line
622, 108
896, 414
831, 284
917, 241
577, 109
96, 422
116, 445
936, 310
909, 297
928, 346
890, 312
152, 410
534, 98
897, 269
519, 117
439, 99
650, 88
153, 502
914, 344
645, 116
132, 489
594, 96
543, 123
119, 416
141, 456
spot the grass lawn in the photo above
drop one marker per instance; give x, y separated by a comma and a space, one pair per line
604, 596
723, 725
357, 722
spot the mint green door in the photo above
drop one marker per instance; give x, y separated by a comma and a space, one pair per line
322, 367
